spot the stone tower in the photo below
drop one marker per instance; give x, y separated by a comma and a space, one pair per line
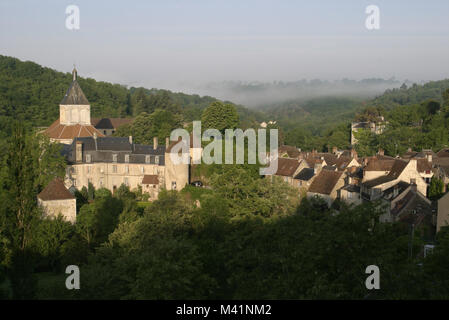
74, 107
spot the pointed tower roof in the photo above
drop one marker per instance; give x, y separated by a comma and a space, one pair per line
55, 190
74, 95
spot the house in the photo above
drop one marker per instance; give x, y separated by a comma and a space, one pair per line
408, 205
151, 185
305, 178
376, 127
55, 199
288, 169
400, 170
74, 117
326, 185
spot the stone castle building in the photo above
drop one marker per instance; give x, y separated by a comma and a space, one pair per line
108, 162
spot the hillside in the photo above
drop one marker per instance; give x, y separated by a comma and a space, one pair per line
32, 93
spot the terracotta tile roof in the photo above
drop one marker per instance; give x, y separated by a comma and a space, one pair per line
325, 182
343, 162
395, 171
375, 164
330, 158
55, 190
287, 167
150, 179
423, 165
444, 153
61, 131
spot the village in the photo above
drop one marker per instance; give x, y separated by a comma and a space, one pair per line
400, 185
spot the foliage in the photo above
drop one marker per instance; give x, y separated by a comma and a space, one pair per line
220, 116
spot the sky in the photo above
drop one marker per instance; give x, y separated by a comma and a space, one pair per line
179, 44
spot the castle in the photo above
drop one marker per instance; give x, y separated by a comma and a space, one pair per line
108, 162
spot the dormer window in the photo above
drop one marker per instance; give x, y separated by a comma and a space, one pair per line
114, 158
127, 158
147, 159
88, 158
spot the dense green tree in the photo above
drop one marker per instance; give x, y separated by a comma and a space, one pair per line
436, 188
220, 116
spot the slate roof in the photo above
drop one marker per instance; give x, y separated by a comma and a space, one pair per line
150, 179
325, 181
55, 190
110, 123
305, 174
74, 95
61, 131
102, 149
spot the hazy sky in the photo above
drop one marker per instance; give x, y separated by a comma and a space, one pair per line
174, 44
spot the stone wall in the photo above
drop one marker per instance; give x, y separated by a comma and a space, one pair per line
65, 207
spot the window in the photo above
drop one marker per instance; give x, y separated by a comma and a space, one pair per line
114, 169
114, 158
126, 182
127, 169
412, 181
104, 131
173, 185
156, 159
89, 169
147, 159
89, 180
101, 182
88, 157
74, 182
127, 158
142, 169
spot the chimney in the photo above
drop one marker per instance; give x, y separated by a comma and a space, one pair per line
154, 143
409, 149
313, 152
334, 150
167, 141
380, 152
130, 139
79, 151
429, 157
95, 140
354, 154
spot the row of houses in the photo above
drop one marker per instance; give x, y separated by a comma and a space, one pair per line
399, 184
